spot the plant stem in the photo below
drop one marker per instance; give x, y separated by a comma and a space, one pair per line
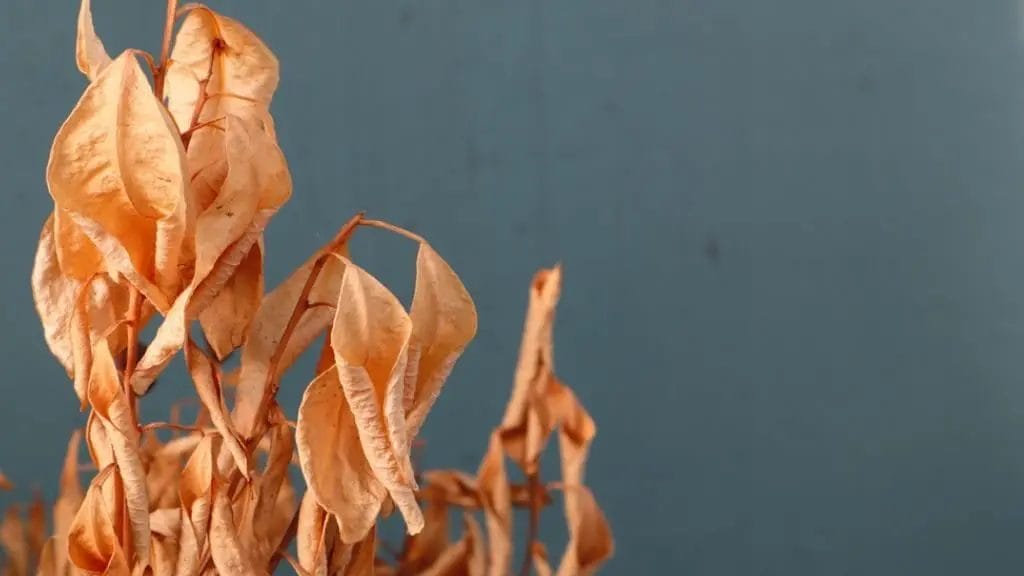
165, 48
132, 356
392, 228
534, 486
272, 382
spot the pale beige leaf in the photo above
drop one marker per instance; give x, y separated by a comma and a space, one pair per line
117, 167
226, 319
336, 470
444, 320
370, 338
112, 408
14, 542
206, 378
90, 54
228, 555
93, 544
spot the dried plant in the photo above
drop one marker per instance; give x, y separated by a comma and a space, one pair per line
162, 187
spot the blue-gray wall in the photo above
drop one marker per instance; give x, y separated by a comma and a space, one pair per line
794, 300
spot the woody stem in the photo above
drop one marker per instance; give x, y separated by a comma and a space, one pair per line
534, 487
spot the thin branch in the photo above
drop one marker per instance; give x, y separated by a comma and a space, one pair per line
172, 426
392, 228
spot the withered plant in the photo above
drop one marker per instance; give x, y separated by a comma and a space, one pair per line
163, 184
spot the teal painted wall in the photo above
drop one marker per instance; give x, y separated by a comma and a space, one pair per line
794, 300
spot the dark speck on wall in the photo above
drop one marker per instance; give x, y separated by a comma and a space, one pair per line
711, 250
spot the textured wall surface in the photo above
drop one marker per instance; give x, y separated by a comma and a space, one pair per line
794, 298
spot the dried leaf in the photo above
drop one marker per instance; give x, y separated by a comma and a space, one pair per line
363, 556
228, 555
257, 184
590, 537
370, 338
90, 54
207, 382
310, 536
540, 559
35, 531
443, 322
93, 544
336, 470
497, 505
47, 559
14, 543
422, 550
527, 423
112, 408
68, 502
239, 71
268, 328
226, 319
117, 167
196, 489
5, 484
272, 480
465, 558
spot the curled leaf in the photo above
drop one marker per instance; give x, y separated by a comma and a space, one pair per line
370, 340
113, 410
117, 167
336, 470
206, 378
228, 555
443, 322
90, 54
226, 319
93, 544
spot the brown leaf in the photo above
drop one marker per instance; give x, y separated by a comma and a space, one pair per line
257, 184
112, 408
268, 328
206, 378
240, 72
68, 502
226, 319
14, 543
363, 556
496, 500
117, 167
540, 559
273, 479
36, 528
90, 54
370, 338
527, 423
5, 484
47, 559
453, 487
465, 558
422, 550
93, 544
336, 470
228, 555
196, 489
590, 537
443, 322
310, 536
